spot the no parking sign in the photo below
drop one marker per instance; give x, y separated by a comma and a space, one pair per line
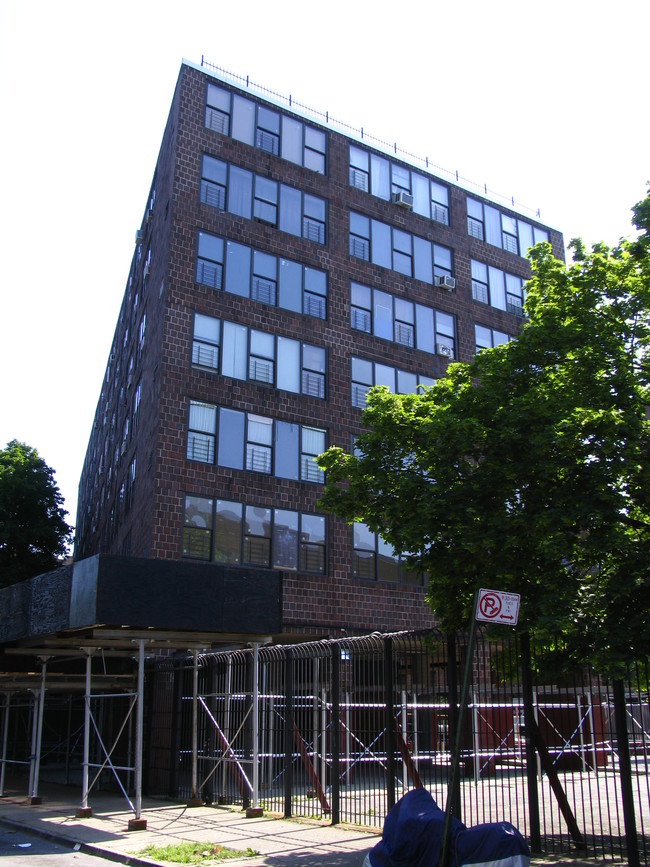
495, 606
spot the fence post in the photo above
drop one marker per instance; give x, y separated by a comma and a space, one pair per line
288, 731
452, 685
389, 718
625, 770
336, 732
531, 756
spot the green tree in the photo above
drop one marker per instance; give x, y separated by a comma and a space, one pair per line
33, 533
527, 470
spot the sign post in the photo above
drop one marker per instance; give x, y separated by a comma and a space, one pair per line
489, 606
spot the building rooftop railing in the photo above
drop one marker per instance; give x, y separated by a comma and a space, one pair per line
359, 133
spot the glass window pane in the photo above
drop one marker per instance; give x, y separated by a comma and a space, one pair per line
313, 528
483, 337
315, 281
492, 226
227, 532
381, 244
287, 450
218, 98
268, 120
262, 344
264, 265
385, 375
363, 538
497, 289
379, 177
360, 295
423, 263
407, 383
358, 158
285, 539
288, 375
313, 358
401, 178
442, 257
383, 315
210, 247
258, 521
315, 139
243, 119
292, 140
421, 195
203, 417
424, 329
290, 211
359, 225
197, 530
240, 192
231, 438
479, 271
362, 371
525, 237
404, 310
475, 209
206, 328
238, 269
540, 235
234, 350
214, 170
445, 324
290, 285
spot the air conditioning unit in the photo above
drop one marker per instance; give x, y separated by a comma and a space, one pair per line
446, 282
445, 349
139, 236
404, 200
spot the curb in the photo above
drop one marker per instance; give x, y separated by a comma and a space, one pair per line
79, 846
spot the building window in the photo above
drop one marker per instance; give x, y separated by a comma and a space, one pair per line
130, 486
213, 183
494, 287
384, 179
401, 321
509, 233
265, 128
251, 273
240, 440
366, 374
247, 195
397, 250
247, 535
487, 338
205, 346
375, 559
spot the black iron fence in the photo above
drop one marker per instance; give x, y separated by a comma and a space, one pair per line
339, 730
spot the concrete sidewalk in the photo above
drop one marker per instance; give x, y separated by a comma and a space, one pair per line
279, 842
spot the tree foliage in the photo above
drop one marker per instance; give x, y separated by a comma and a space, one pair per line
33, 533
527, 470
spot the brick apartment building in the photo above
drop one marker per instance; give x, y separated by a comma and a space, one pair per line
280, 270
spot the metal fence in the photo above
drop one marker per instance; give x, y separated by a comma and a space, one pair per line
339, 730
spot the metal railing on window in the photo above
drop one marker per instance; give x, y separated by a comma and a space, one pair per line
475, 228
310, 471
404, 334
209, 273
479, 292
359, 179
200, 447
360, 320
267, 141
359, 395
258, 459
263, 290
314, 305
440, 213
205, 355
313, 384
214, 195
514, 305
510, 243
216, 120
260, 370
313, 230
359, 248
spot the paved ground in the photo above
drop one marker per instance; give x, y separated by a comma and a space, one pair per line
279, 842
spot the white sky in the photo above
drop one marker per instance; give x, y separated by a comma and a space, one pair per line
543, 101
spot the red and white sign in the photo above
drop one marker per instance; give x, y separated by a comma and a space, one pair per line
494, 606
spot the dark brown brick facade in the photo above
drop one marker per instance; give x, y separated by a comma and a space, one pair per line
147, 521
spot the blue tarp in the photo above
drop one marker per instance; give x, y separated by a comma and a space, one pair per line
412, 837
